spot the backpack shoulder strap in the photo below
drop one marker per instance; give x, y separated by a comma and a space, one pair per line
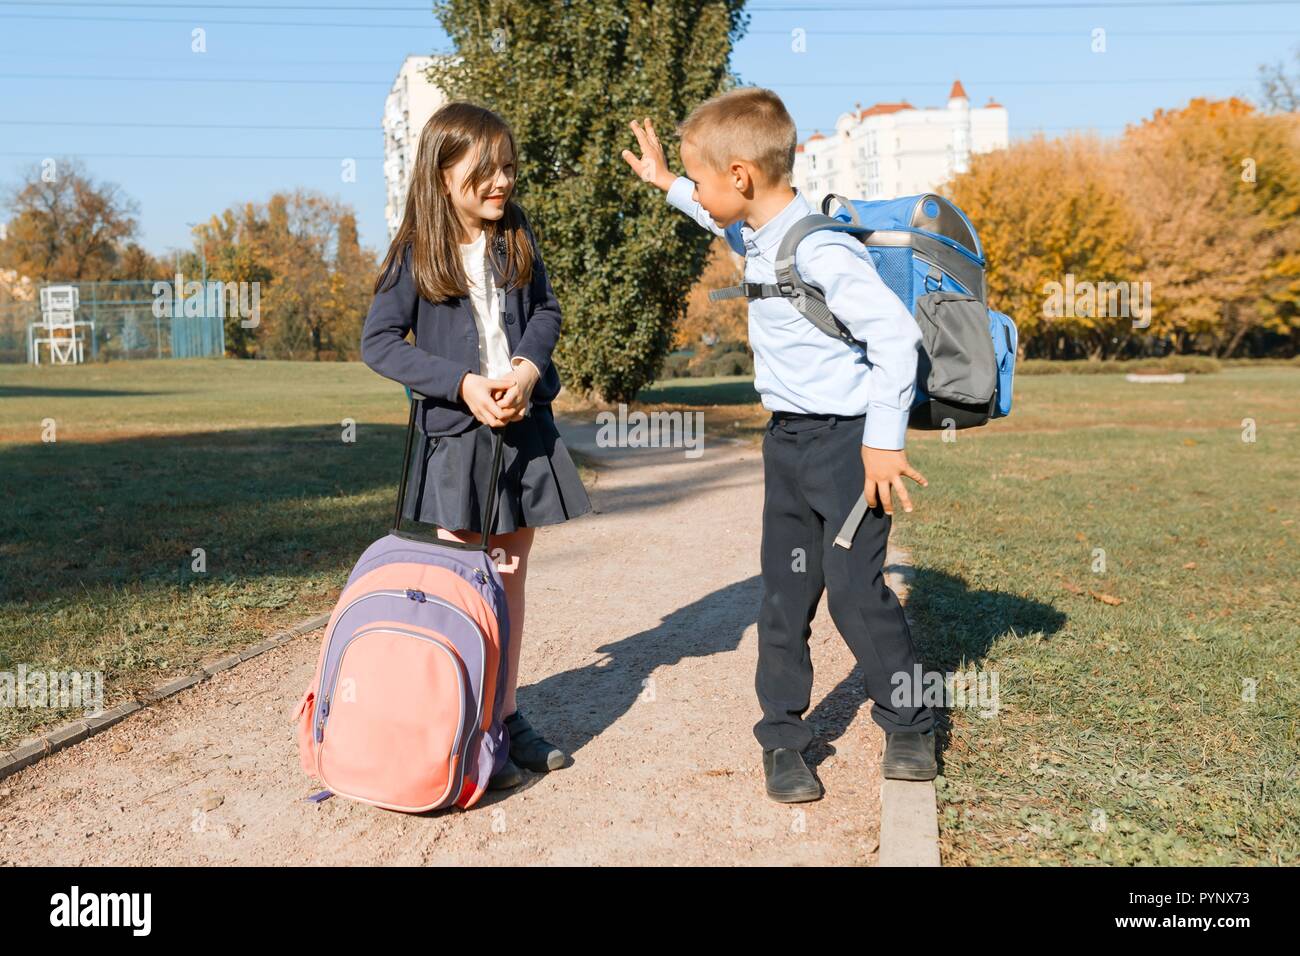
807, 298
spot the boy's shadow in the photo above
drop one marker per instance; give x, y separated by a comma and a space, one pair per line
953, 627
582, 703
953, 623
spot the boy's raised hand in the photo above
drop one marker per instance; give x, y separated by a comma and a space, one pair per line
885, 471
652, 167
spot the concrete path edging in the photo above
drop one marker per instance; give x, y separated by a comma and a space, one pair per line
909, 815
37, 748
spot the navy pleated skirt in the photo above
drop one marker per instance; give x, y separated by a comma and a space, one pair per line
539, 484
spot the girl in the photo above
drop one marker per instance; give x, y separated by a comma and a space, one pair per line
464, 271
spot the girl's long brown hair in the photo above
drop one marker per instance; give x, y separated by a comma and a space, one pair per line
430, 225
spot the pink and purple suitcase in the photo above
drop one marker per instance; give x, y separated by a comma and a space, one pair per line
404, 710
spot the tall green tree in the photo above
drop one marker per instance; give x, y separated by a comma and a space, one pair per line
568, 77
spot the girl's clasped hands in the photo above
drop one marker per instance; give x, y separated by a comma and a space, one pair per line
498, 401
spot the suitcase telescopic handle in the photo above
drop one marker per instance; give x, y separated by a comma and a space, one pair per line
489, 506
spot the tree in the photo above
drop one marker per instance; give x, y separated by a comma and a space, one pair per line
1279, 91
1215, 193
710, 322
349, 291
65, 226
568, 82
1051, 212
302, 249
136, 262
235, 246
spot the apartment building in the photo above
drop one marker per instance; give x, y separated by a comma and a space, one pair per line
897, 149
408, 106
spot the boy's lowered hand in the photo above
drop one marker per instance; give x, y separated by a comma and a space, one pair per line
652, 167
885, 471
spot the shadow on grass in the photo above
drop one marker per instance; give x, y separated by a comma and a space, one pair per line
685, 391
43, 391
85, 515
953, 627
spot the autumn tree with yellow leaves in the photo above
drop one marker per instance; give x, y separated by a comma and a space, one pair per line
1199, 206
1051, 211
315, 279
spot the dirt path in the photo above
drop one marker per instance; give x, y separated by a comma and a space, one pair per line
638, 658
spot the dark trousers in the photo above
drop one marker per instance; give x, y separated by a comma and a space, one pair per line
813, 476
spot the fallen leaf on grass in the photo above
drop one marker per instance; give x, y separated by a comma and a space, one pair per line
1189, 566
1105, 598
1072, 588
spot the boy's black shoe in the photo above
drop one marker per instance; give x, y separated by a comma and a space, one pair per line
909, 756
788, 778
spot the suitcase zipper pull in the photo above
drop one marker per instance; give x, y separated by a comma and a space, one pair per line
320, 721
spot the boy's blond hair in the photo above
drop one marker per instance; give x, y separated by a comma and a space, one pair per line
750, 124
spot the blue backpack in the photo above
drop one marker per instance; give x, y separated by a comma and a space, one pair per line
927, 252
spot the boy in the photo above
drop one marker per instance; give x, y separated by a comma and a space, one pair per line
838, 413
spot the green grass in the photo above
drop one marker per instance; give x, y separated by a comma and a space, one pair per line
1129, 712
1121, 734
729, 404
244, 460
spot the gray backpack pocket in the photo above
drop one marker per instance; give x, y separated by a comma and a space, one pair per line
957, 363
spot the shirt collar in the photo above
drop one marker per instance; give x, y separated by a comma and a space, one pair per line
764, 239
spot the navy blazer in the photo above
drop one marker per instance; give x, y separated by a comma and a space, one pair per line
446, 339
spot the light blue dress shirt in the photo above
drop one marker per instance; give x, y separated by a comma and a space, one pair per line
799, 368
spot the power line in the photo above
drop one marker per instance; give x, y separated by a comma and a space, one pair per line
1082, 32
1092, 81
190, 79
274, 127
188, 156
850, 8
212, 58
1047, 5
1087, 81
295, 24
314, 7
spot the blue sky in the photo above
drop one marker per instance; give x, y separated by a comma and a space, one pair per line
288, 88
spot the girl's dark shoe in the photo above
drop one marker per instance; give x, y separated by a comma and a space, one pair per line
788, 778
909, 756
507, 777
530, 749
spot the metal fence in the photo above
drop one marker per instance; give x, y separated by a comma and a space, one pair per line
122, 323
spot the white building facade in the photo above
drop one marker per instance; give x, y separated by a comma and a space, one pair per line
896, 149
408, 106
